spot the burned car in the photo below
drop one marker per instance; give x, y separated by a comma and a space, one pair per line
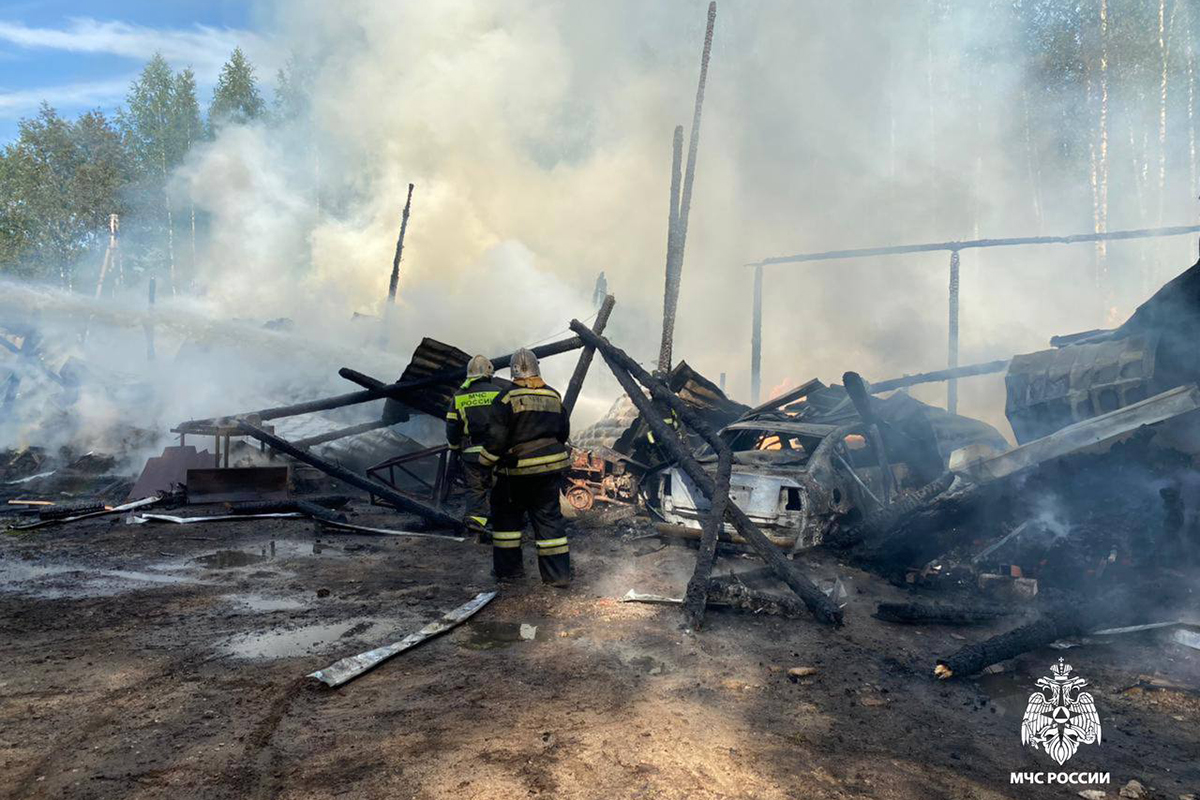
811, 464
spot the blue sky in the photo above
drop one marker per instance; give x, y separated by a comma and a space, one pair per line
82, 55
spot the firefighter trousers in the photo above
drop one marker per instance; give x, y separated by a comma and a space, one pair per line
478, 482
534, 496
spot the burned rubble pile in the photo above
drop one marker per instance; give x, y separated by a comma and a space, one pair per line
1088, 523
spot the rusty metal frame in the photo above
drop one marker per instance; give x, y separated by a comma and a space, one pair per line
385, 472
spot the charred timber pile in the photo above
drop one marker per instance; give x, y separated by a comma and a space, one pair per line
629, 374
743, 598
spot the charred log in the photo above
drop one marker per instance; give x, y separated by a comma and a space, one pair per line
1068, 619
939, 614
743, 598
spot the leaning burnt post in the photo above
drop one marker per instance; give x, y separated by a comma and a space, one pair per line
695, 599
626, 369
395, 279
857, 389
585, 358
401, 501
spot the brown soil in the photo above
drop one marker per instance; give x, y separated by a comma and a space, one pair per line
129, 669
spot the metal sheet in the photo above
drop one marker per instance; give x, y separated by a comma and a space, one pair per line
1177, 401
236, 484
163, 474
218, 518
350, 668
345, 526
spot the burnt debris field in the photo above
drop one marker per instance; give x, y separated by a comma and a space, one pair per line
266, 421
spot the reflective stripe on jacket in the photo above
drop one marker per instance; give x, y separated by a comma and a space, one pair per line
528, 431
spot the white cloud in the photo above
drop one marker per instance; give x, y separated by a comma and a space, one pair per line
85, 93
202, 47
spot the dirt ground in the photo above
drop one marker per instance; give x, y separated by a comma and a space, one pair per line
159, 660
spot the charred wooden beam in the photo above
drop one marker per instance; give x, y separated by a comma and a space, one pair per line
790, 396
362, 379
939, 613
696, 597
625, 369
586, 356
401, 501
1107, 609
856, 388
341, 433
396, 390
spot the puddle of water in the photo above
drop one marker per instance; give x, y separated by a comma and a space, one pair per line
487, 635
230, 559
236, 559
262, 603
55, 581
309, 640
1009, 692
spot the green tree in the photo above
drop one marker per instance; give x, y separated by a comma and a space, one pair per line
151, 130
188, 129
236, 98
59, 181
291, 92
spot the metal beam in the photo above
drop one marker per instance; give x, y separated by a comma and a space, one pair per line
866, 252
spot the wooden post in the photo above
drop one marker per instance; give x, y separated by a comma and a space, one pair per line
952, 344
395, 281
756, 338
675, 267
668, 323
149, 328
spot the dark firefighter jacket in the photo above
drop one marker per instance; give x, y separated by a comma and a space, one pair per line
469, 412
528, 430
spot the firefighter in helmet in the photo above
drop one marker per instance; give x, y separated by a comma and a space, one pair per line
526, 441
466, 422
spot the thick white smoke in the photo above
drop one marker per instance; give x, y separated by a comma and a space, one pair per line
538, 136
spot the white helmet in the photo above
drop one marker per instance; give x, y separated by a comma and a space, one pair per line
524, 365
480, 367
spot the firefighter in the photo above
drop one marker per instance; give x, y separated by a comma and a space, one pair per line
466, 421
526, 441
